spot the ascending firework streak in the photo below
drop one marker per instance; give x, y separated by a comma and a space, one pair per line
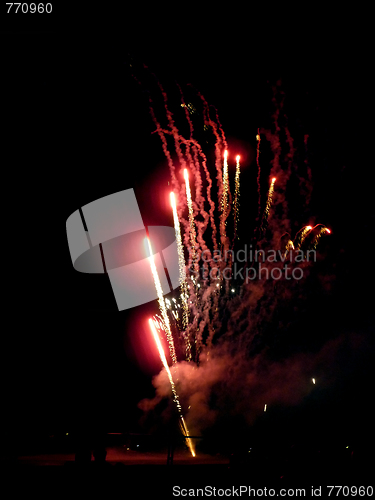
162, 305
183, 425
224, 199
236, 195
182, 274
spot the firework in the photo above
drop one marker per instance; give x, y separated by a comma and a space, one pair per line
322, 231
224, 199
236, 196
289, 247
162, 304
301, 235
182, 275
210, 310
266, 212
163, 359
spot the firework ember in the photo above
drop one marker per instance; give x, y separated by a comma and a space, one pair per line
268, 206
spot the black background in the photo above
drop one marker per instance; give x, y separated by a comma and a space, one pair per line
76, 127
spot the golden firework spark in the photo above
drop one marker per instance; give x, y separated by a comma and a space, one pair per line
268, 204
322, 231
289, 247
162, 305
153, 325
182, 274
299, 240
224, 199
236, 195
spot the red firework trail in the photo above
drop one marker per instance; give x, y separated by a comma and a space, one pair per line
200, 201
220, 147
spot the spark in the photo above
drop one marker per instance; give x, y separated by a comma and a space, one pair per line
224, 199
162, 305
289, 246
182, 273
185, 432
313, 381
236, 195
303, 232
265, 407
322, 231
268, 206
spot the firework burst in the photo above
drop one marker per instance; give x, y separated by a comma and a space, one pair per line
208, 309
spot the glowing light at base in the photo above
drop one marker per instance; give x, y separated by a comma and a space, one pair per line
185, 432
163, 359
163, 308
289, 247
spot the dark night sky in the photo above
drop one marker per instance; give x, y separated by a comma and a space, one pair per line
78, 128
